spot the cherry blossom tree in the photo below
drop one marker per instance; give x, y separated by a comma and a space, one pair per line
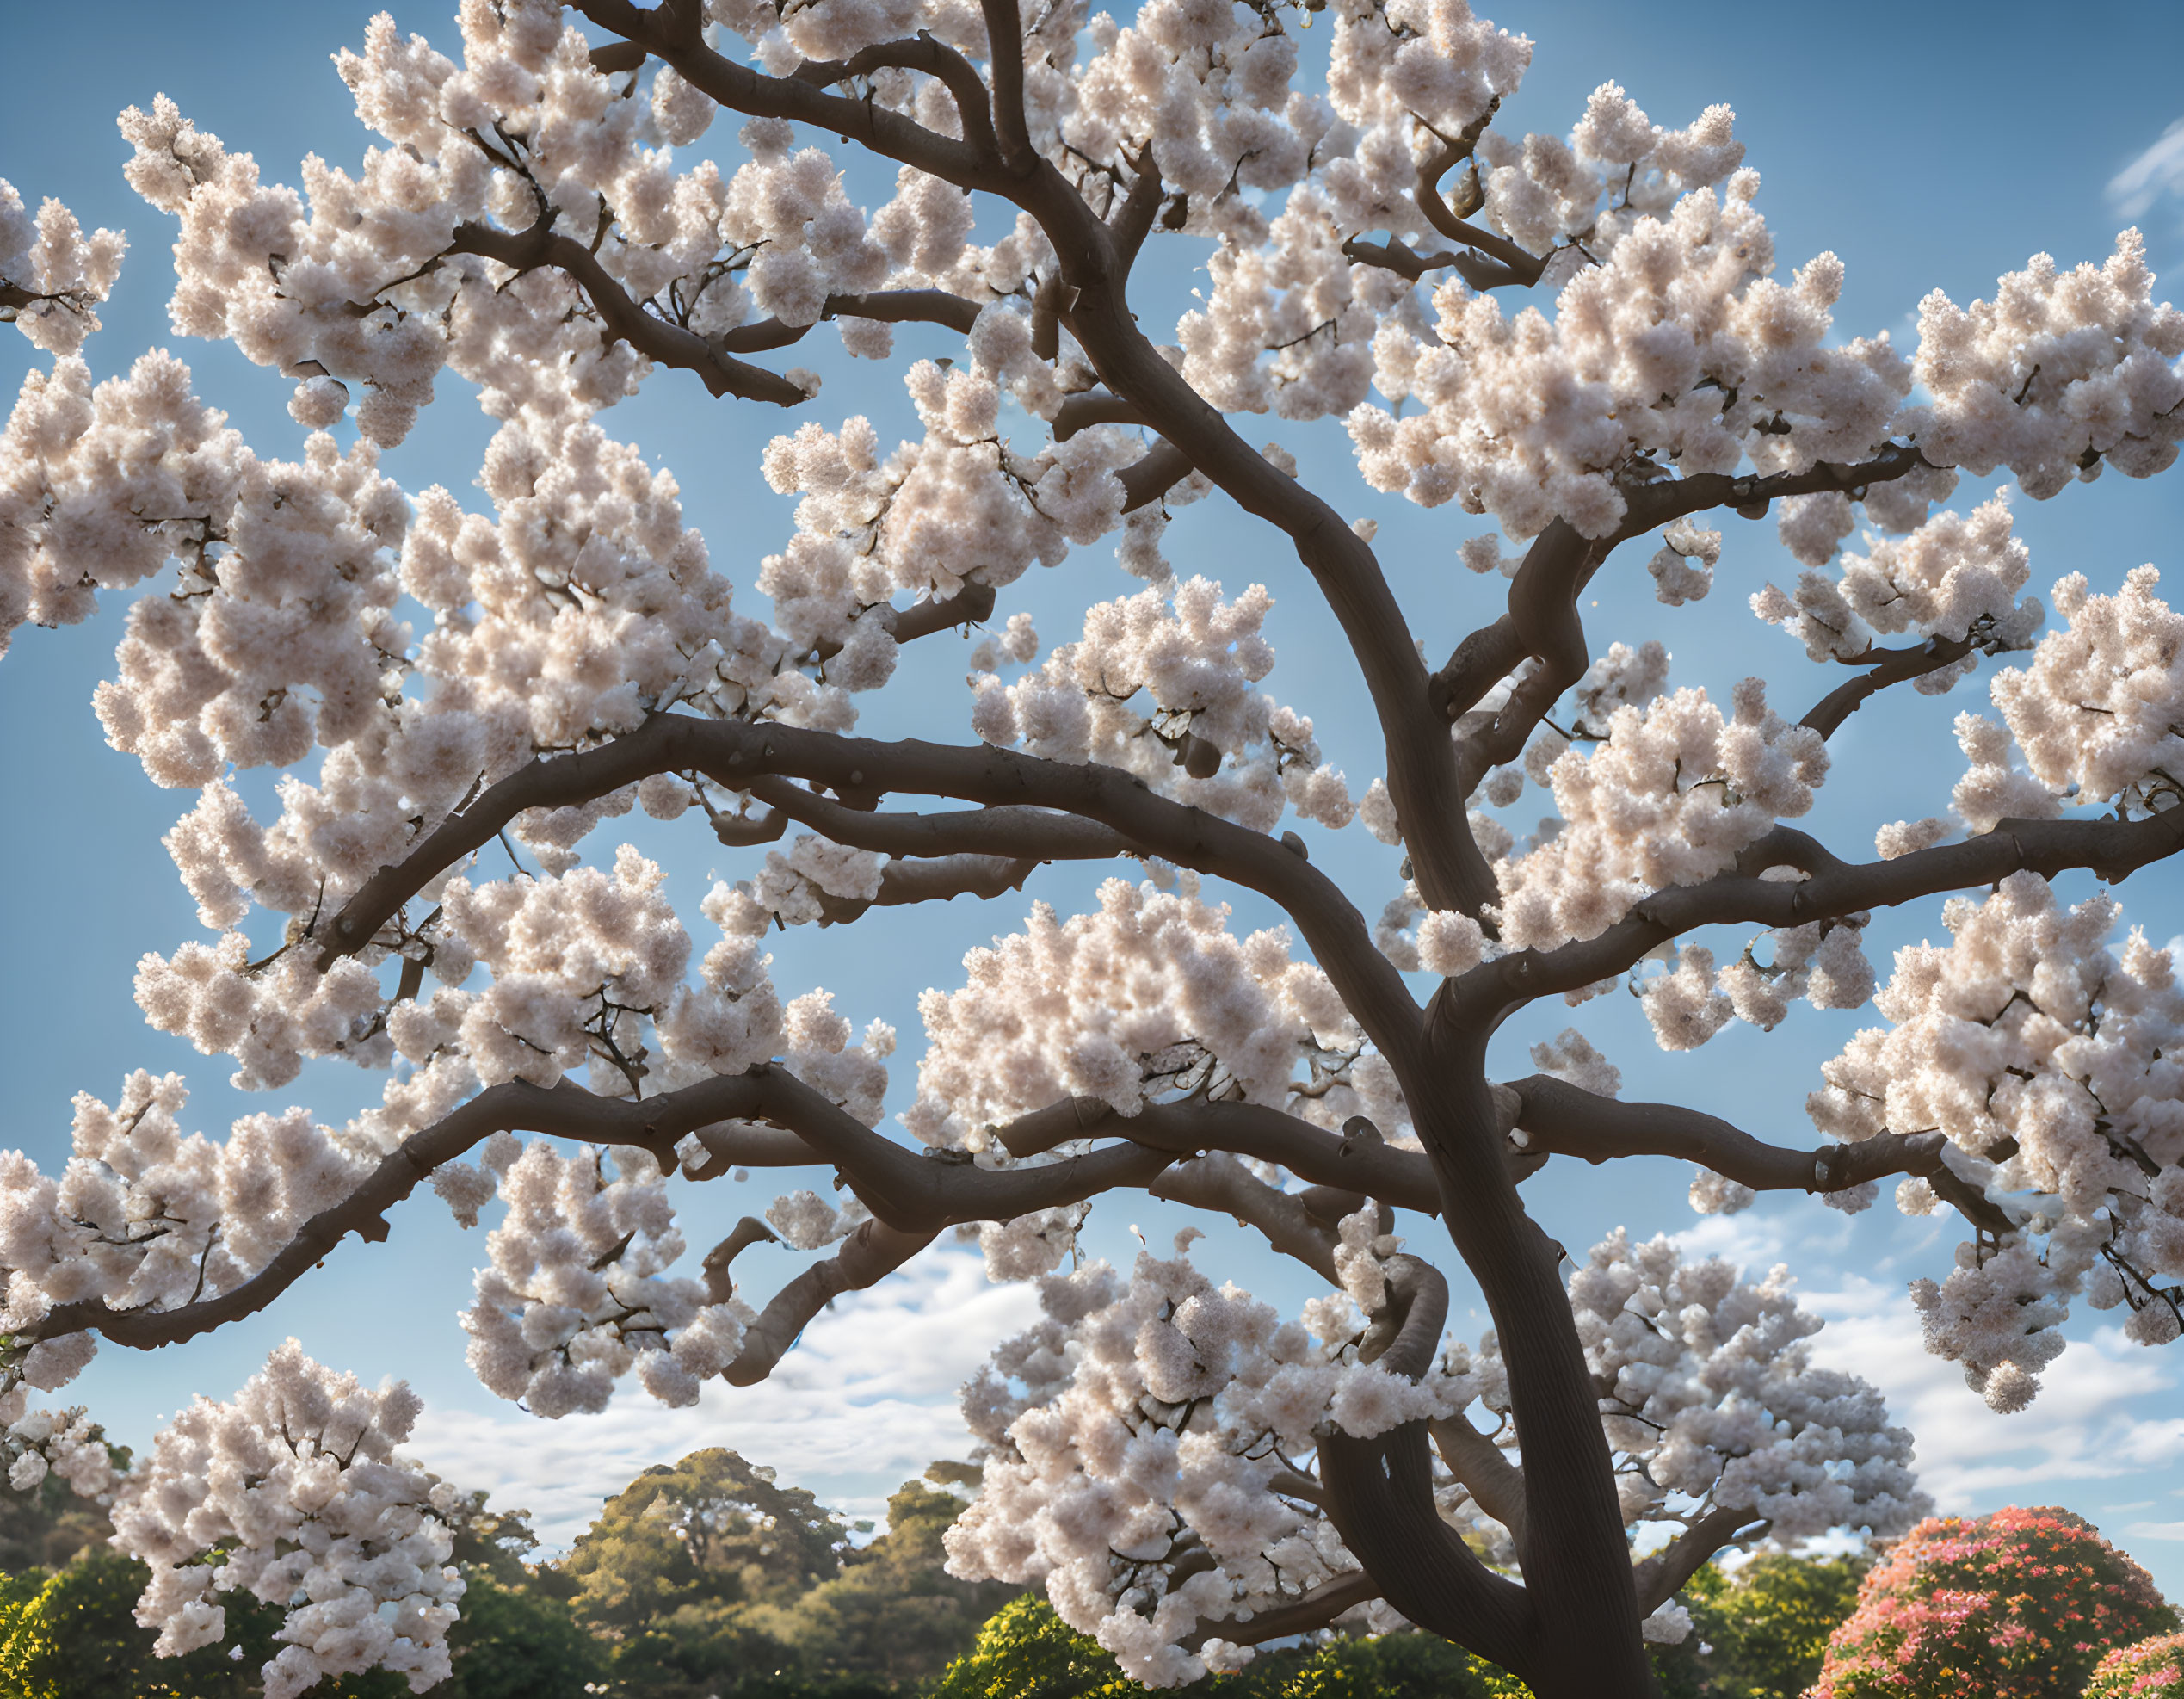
1583, 341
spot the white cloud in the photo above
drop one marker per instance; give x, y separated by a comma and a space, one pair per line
2154, 1530
2083, 1427
2158, 171
863, 1403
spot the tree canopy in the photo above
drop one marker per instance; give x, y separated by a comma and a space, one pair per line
401, 720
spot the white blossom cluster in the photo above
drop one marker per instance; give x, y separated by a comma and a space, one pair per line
1669, 798
1677, 345
1209, 738
1955, 577
1714, 1398
67, 1443
576, 1294
1145, 1426
1150, 995
2062, 373
1154, 1419
2051, 1064
145, 1217
294, 1492
64, 273
2099, 715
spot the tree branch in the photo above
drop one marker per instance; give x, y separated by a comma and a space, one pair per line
659, 341
921, 53
1315, 1609
868, 1255
1352, 1162
742, 89
1565, 1120
1662, 1576
1005, 56
907, 1192
1497, 1484
1884, 667
888, 306
737, 753
1223, 1185
2113, 849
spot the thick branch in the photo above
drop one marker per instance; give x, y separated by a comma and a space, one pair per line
1315, 1609
1094, 406
1034, 834
1652, 505
1565, 1120
1397, 256
1349, 1162
868, 1255
1497, 1484
2112, 849
659, 341
967, 606
737, 753
1883, 667
921, 53
889, 307
1662, 1576
1516, 266
1146, 481
1221, 1184
1005, 55
742, 88
907, 1191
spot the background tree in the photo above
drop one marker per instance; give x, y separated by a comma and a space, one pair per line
1762, 1632
2021, 1604
1184, 1469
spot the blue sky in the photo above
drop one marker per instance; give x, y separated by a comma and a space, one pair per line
1931, 147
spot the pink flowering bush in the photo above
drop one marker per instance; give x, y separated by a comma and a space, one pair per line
2153, 1669
2021, 1604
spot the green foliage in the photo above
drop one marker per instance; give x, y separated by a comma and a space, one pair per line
74, 1635
1027, 1651
893, 1614
709, 1578
2021, 1604
46, 1527
708, 1532
1765, 1628
2152, 1669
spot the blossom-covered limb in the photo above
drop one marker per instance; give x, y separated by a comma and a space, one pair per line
2112, 849
734, 753
1220, 1183
910, 1192
1490, 654
1662, 1576
664, 344
1883, 668
1316, 1609
1358, 1161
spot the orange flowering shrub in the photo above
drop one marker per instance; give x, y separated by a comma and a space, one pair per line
2021, 1604
2153, 1669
